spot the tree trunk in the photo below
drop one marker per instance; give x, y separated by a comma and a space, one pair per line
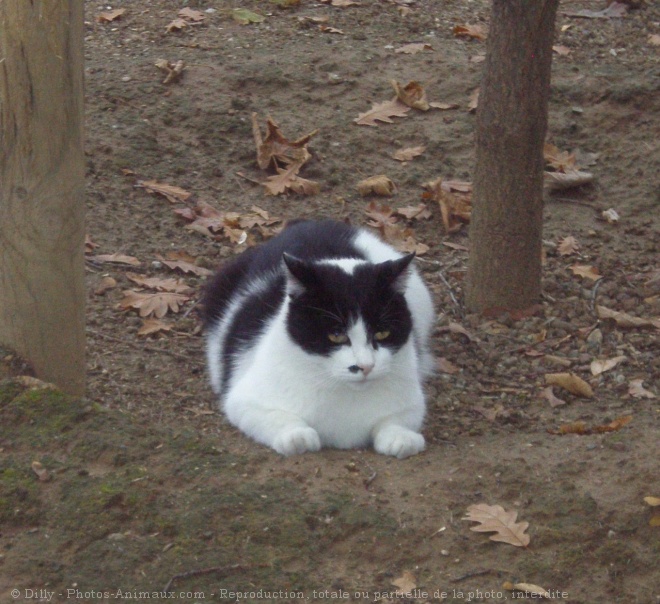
504, 269
42, 294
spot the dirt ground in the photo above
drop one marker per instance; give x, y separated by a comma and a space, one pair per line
148, 487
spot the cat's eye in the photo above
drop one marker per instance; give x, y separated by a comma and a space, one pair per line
382, 335
338, 338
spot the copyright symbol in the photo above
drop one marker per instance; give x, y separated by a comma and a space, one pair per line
15, 594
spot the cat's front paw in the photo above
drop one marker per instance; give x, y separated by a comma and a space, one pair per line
292, 441
399, 442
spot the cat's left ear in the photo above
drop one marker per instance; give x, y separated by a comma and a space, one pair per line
395, 272
300, 275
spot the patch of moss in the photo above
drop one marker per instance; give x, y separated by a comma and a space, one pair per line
19, 500
9, 390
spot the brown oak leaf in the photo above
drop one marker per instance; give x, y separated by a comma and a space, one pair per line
570, 382
470, 31
172, 193
156, 304
409, 153
413, 49
164, 285
412, 94
116, 258
382, 112
151, 326
495, 519
286, 179
377, 185
275, 149
111, 15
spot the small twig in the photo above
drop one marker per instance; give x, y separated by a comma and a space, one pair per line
578, 202
594, 292
225, 570
138, 345
195, 305
370, 479
444, 280
252, 180
475, 573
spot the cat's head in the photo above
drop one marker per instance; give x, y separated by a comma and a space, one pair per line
350, 312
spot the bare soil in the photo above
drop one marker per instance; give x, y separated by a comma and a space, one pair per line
148, 483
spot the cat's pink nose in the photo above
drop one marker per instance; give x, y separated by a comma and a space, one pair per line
365, 368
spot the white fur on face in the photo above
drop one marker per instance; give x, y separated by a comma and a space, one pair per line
371, 363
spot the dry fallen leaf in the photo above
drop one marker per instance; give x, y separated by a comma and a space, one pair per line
558, 181
176, 25
529, 588
561, 161
380, 215
40, 471
326, 29
104, 285
108, 16
570, 382
191, 15
288, 178
470, 31
412, 49
90, 246
172, 193
382, 112
624, 320
409, 153
246, 17
340, 3
586, 271
455, 207
275, 149
376, 185
601, 366
406, 583
116, 258
549, 395
409, 244
562, 50
172, 70
568, 245
457, 328
186, 267
473, 103
412, 94
445, 366
615, 9
654, 39
652, 501
611, 215
581, 428
419, 212
402, 238
636, 390
156, 304
494, 518
164, 285
151, 326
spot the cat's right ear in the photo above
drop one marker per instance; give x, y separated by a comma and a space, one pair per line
300, 275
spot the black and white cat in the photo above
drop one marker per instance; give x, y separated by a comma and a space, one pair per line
319, 337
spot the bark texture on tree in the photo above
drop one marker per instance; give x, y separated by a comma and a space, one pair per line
42, 296
504, 268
